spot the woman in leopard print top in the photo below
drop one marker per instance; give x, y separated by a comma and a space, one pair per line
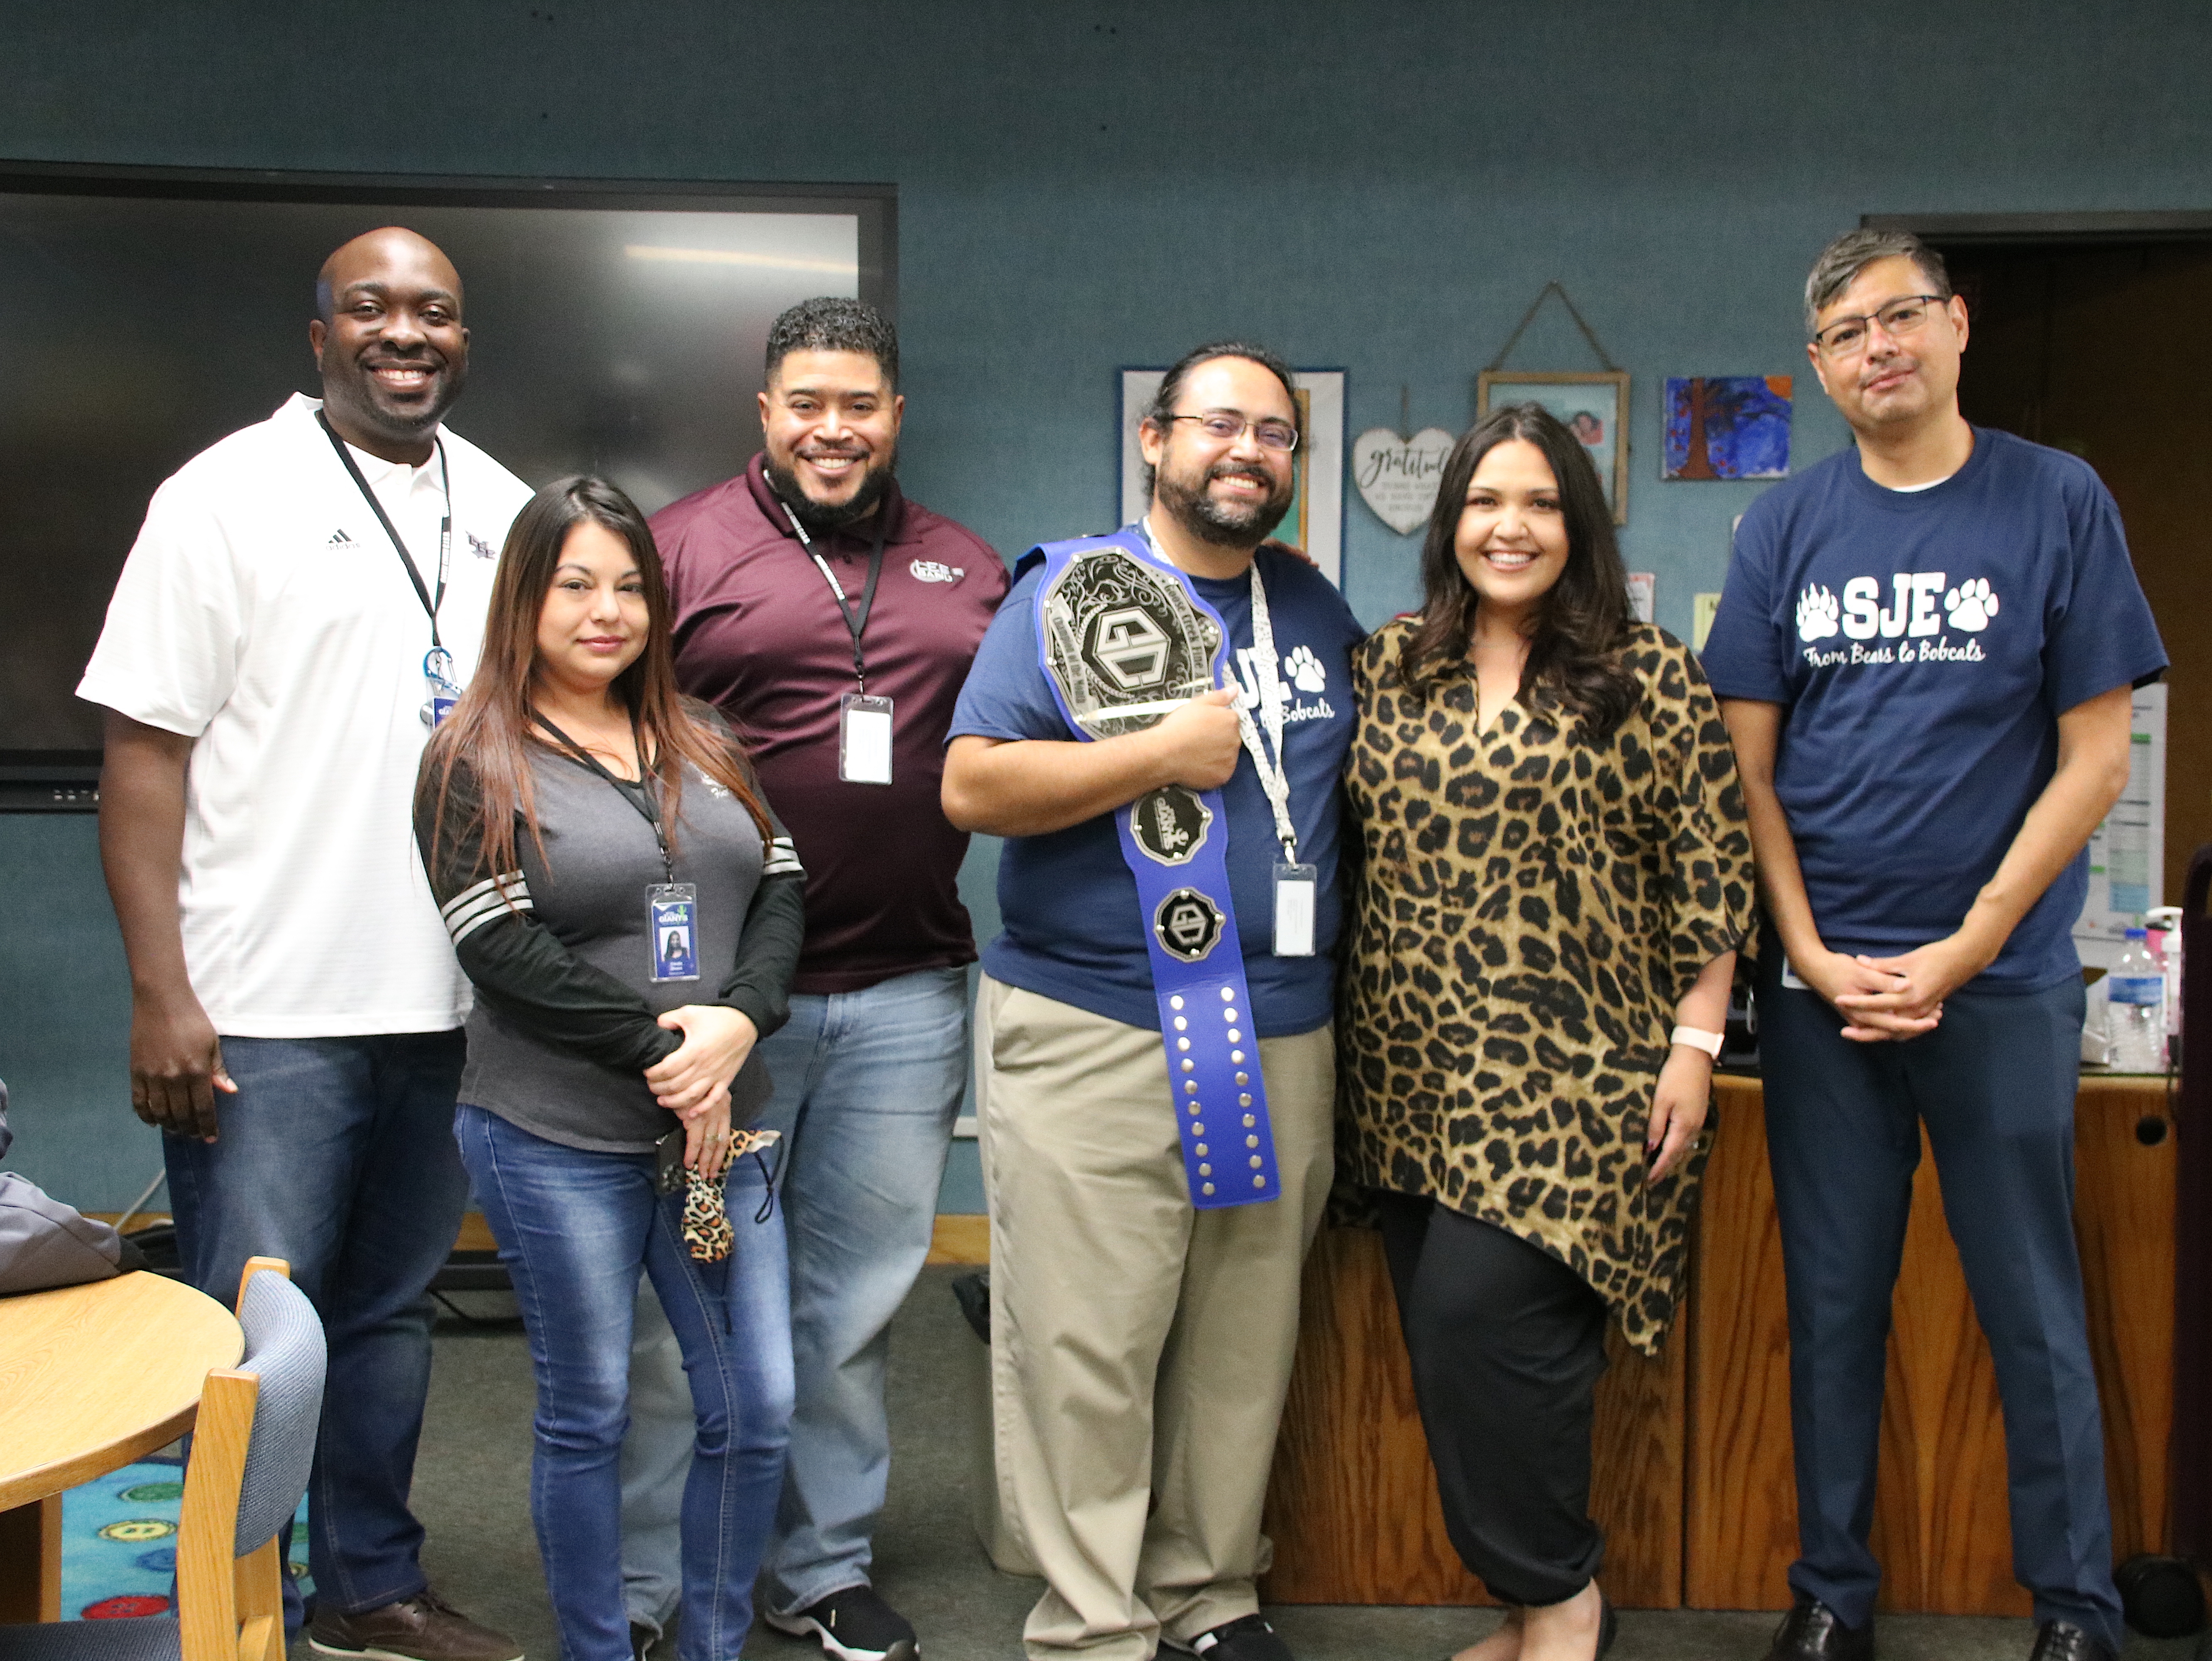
1555, 873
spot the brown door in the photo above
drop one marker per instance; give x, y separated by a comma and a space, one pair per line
2107, 351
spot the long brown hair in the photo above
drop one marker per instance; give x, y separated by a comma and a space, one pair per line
490, 728
1574, 655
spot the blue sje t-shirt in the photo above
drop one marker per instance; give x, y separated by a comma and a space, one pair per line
1924, 643
1073, 929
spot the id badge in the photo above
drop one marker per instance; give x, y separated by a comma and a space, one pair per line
863, 740
672, 910
1295, 886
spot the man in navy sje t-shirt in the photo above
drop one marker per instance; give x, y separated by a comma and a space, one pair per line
1925, 652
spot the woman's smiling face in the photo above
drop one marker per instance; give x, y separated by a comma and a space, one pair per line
1512, 536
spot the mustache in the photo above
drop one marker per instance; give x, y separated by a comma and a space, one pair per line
1241, 470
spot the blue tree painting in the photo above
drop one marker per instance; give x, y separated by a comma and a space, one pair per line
1728, 427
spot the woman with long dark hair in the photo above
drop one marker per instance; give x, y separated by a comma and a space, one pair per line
1554, 877
630, 914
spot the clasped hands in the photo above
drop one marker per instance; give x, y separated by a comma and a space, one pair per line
1890, 999
693, 1080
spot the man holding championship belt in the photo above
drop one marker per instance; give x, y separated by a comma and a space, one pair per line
1156, 722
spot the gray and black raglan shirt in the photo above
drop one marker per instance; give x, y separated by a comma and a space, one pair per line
560, 948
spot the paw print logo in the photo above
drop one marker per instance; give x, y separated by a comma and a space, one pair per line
1817, 613
1305, 671
1970, 605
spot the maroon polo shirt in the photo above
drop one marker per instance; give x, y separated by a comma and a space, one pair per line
758, 636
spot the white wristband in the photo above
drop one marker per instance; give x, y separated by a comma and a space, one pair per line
1709, 1042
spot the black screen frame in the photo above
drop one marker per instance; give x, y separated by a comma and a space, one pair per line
67, 780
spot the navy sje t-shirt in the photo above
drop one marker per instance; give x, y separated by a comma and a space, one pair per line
1924, 643
1073, 929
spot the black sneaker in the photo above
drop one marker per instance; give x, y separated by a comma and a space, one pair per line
854, 1625
1249, 1638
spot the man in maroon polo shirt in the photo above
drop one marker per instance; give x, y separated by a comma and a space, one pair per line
833, 621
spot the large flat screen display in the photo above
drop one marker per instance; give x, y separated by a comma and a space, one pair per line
614, 328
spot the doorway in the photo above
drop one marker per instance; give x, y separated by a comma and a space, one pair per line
2104, 349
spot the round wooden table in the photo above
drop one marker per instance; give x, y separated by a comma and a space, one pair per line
91, 1378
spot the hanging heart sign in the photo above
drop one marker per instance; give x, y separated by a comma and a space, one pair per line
1397, 477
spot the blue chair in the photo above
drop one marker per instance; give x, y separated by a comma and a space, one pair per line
252, 1450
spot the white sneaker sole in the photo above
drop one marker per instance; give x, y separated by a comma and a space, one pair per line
373, 1653
806, 1626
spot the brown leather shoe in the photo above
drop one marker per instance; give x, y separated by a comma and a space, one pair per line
423, 1627
1813, 1632
2061, 1640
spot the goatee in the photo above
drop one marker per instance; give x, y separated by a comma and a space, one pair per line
1226, 525
821, 518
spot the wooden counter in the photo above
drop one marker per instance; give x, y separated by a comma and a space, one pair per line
1692, 1473
1941, 1526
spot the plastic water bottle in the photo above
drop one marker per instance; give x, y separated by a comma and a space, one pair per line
2136, 1006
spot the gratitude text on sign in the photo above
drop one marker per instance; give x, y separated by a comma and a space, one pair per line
1397, 477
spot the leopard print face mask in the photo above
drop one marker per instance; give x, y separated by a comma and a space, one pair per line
706, 1233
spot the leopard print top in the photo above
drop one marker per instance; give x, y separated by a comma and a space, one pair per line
1529, 908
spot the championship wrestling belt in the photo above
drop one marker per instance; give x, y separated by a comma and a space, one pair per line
1124, 639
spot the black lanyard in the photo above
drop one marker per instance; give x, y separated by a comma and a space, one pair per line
638, 794
445, 527
852, 625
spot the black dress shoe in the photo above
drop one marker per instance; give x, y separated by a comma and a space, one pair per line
2061, 1640
1813, 1632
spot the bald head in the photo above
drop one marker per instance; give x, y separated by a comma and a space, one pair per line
389, 342
378, 250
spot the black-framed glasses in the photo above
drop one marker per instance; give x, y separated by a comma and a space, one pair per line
1846, 335
1225, 427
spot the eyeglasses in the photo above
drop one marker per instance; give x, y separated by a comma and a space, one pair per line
1847, 335
1224, 428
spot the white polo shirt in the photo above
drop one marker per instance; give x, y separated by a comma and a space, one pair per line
265, 614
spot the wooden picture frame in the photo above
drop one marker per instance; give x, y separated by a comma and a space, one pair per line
1599, 396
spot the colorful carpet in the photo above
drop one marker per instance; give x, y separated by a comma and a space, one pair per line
119, 1542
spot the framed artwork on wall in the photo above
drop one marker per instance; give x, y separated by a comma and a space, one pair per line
1593, 403
1315, 520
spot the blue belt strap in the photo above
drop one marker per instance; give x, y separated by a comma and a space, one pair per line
1176, 840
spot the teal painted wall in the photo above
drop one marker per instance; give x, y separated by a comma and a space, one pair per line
1379, 189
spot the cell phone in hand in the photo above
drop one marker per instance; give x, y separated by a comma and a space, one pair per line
668, 1171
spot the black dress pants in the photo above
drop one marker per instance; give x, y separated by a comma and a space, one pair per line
1508, 1344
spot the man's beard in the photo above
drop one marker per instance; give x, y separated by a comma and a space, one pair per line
1226, 525
821, 518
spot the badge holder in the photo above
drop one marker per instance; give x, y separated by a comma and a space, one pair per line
671, 913
1297, 887
438, 682
864, 739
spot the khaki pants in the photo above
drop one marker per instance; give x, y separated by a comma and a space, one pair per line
1140, 1348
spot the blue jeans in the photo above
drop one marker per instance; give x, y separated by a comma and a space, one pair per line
1994, 1086
868, 1084
336, 1155
575, 1228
